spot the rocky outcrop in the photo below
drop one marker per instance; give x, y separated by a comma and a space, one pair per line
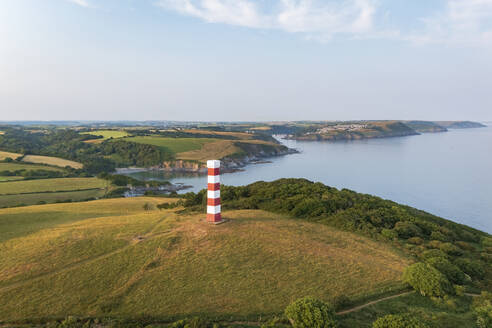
183, 166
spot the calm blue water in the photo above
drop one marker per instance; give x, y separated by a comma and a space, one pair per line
447, 174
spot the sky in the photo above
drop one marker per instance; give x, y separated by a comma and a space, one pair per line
245, 60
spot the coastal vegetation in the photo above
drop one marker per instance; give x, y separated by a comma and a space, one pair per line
139, 261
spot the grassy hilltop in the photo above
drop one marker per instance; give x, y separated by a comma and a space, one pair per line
136, 258
111, 257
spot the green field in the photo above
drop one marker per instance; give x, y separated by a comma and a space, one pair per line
174, 145
51, 185
112, 258
13, 178
108, 134
49, 197
28, 167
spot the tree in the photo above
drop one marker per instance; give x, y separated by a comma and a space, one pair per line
451, 271
309, 312
427, 280
398, 321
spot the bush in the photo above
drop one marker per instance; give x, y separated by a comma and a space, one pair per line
482, 308
471, 267
407, 229
398, 321
427, 280
450, 249
309, 312
192, 323
389, 234
433, 253
451, 271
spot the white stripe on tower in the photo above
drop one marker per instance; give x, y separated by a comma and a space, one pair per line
213, 191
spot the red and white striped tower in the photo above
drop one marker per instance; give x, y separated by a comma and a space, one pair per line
213, 193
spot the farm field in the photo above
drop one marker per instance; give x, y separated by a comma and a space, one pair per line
6, 154
13, 178
113, 258
54, 161
29, 167
107, 134
173, 145
49, 197
51, 185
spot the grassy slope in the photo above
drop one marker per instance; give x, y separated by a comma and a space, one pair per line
174, 145
55, 161
51, 197
51, 185
85, 259
6, 154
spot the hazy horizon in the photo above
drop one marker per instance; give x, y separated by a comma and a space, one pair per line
243, 60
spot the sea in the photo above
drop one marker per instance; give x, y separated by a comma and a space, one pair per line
448, 174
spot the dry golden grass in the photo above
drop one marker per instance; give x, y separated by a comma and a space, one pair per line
55, 161
217, 149
6, 154
112, 258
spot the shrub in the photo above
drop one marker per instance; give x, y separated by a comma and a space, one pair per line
451, 271
398, 321
415, 240
437, 235
310, 313
389, 234
433, 253
482, 308
407, 229
450, 249
471, 267
427, 280
192, 323
148, 207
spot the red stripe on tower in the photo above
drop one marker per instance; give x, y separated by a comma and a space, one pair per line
213, 192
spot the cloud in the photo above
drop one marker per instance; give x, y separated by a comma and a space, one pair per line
82, 3
462, 22
311, 17
459, 22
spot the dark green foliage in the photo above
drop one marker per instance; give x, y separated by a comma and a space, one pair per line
451, 271
398, 321
311, 313
365, 214
406, 229
473, 268
69, 144
193, 323
427, 280
482, 307
433, 253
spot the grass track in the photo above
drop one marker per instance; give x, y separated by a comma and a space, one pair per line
111, 257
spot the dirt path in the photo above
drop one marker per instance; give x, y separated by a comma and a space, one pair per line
360, 307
